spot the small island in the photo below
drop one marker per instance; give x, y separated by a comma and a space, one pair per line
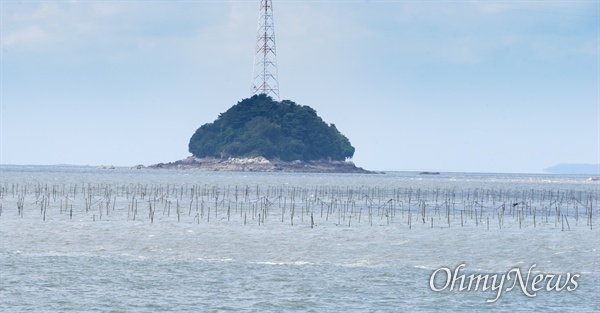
260, 134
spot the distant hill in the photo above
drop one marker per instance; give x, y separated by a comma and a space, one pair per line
260, 126
567, 168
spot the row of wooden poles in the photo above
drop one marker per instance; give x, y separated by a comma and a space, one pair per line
305, 205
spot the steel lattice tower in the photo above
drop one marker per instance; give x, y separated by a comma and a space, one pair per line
264, 74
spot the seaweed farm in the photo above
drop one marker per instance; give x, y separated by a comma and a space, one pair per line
303, 206
85, 239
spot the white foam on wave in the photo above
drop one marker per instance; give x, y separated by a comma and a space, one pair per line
423, 267
215, 259
297, 263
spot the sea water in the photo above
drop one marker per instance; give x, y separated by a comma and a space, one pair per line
96, 257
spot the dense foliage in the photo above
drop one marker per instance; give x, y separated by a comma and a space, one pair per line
260, 126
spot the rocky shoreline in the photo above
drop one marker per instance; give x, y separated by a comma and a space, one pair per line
259, 164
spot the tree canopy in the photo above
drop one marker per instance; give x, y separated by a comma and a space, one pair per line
260, 126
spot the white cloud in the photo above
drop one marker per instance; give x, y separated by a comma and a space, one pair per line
30, 35
44, 26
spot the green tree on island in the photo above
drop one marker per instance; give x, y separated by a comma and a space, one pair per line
260, 126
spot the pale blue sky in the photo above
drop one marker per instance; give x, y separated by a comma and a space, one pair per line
485, 86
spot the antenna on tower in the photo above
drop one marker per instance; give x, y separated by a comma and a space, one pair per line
264, 73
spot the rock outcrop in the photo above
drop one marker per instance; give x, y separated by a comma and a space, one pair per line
260, 164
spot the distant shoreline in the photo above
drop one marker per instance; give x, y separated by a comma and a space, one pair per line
574, 168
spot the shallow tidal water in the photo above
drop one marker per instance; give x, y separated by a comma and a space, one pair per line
95, 257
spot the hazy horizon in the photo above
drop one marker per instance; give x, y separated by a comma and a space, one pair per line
596, 170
